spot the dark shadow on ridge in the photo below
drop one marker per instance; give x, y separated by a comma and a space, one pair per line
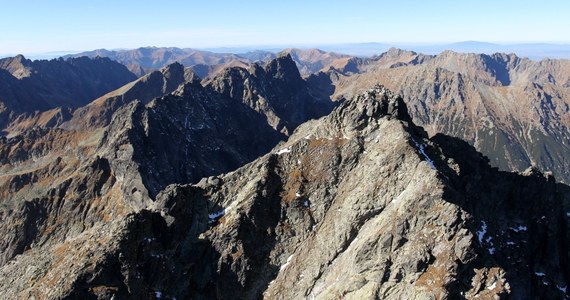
518, 216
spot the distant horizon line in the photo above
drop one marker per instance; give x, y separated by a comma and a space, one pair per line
237, 49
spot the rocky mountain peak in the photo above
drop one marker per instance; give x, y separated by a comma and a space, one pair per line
397, 52
283, 64
275, 89
175, 68
18, 66
369, 106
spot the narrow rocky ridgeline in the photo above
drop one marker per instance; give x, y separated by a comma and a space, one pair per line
356, 205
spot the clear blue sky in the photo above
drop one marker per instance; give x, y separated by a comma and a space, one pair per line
43, 26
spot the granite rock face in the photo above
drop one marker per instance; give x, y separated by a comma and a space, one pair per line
356, 205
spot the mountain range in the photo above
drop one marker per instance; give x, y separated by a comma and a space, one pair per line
514, 110
284, 176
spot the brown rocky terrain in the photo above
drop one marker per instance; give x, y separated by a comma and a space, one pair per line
514, 110
356, 205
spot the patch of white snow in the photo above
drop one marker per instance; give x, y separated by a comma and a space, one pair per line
215, 216
421, 148
287, 263
519, 228
481, 233
283, 151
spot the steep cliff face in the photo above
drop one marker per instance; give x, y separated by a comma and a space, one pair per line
512, 109
358, 204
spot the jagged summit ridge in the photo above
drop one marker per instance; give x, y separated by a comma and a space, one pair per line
276, 90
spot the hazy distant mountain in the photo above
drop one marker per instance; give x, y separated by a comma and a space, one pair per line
357, 49
147, 59
313, 60
534, 51
258, 55
514, 110
206, 64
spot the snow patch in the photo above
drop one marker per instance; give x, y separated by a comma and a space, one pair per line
283, 151
421, 148
287, 263
297, 194
494, 285
562, 289
519, 228
270, 283
539, 274
481, 233
489, 240
568, 214
158, 294
306, 203
215, 216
